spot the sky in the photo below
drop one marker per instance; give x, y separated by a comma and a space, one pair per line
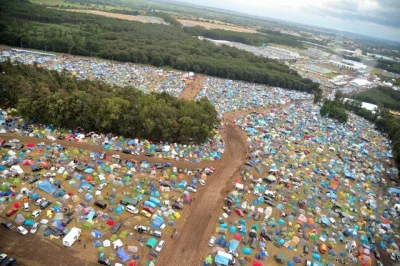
377, 18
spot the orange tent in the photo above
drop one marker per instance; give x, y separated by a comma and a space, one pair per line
311, 221
181, 176
334, 185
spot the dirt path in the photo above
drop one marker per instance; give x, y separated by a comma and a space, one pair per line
190, 247
192, 89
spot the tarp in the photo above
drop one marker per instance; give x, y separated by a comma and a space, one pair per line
221, 259
122, 254
47, 186
233, 244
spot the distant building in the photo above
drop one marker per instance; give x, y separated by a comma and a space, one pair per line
316, 53
349, 64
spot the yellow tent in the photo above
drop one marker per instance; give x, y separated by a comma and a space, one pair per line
177, 215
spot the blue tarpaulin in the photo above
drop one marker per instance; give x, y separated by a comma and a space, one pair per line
122, 254
233, 244
47, 186
221, 260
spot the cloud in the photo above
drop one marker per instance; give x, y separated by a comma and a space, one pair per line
381, 12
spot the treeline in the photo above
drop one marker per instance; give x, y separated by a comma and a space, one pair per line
253, 39
34, 26
383, 121
384, 96
387, 65
335, 110
59, 99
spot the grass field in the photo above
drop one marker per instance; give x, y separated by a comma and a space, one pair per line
143, 19
216, 25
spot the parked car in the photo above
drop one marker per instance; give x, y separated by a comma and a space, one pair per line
39, 200
253, 243
191, 189
116, 227
36, 213
145, 213
106, 262
8, 225
44, 204
3, 256
11, 212
212, 241
8, 261
148, 209
155, 233
101, 186
66, 221
227, 210
160, 246
132, 209
177, 205
141, 228
22, 230
239, 212
34, 228
100, 204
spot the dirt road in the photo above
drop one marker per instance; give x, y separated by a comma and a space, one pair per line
191, 246
192, 89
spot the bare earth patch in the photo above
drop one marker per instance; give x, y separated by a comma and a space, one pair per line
221, 26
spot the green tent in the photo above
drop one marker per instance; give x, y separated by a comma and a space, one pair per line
209, 259
152, 242
88, 224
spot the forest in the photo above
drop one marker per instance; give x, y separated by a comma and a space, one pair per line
33, 26
390, 66
254, 39
59, 99
382, 96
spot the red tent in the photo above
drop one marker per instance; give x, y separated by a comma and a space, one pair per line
237, 237
257, 263
30, 145
16, 204
132, 263
110, 222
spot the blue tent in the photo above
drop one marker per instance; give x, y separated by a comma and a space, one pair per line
122, 254
157, 222
233, 244
221, 260
89, 170
47, 186
393, 190
97, 234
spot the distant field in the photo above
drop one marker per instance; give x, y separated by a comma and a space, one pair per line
216, 25
143, 19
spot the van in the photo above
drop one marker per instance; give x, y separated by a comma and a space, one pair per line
100, 204
132, 209
270, 194
322, 248
26, 207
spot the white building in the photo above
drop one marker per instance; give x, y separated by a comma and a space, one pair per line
349, 64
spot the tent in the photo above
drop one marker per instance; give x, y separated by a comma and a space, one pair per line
152, 242
223, 258
47, 186
122, 254
233, 244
